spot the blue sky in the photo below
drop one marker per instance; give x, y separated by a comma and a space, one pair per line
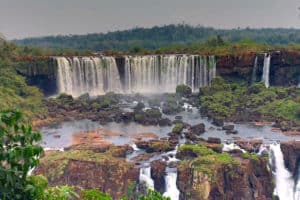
28, 18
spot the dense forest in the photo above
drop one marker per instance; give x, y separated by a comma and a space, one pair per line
157, 37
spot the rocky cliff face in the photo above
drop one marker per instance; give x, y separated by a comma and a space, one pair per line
285, 69
221, 176
95, 168
291, 154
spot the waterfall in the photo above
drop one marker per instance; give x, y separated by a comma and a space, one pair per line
145, 177
162, 73
266, 70
284, 188
93, 75
142, 74
297, 187
171, 187
255, 67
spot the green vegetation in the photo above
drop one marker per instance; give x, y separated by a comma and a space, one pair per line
178, 128
14, 92
227, 100
19, 153
207, 161
94, 195
200, 150
176, 37
183, 90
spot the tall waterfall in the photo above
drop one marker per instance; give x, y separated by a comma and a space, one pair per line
93, 75
266, 70
141, 74
145, 177
284, 181
158, 74
171, 187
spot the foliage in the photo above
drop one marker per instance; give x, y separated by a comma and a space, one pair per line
153, 195
178, 128
224, 99
60, 193
19, 153
199, 150
94, 195
177, 37
183, 90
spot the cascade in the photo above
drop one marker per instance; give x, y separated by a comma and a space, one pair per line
93, 75
141, 74
284, 188
171, 187
145, 177
255, 67
266, 70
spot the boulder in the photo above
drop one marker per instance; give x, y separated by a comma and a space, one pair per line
291, 155
197, 129
214, 140
251, 146
158, 169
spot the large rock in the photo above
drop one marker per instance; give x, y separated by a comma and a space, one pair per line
158, 170
291, 154
246, 179
87, 169
251, 146
197, 129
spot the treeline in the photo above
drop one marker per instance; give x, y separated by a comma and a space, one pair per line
157, 37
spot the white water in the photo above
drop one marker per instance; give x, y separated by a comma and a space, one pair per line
171, 187
142, 74
93, 75
266, 70
284, 188
297, 187
145, 177
230, 147
255, 67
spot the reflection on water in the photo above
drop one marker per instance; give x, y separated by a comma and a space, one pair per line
60, 135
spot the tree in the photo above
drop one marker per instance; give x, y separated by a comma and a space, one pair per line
19, 153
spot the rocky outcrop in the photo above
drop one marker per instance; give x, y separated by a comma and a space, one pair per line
158, 169
215, 176
291, 154
91, 170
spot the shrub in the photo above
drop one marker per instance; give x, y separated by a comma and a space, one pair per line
178, 128
94, 195
183, 90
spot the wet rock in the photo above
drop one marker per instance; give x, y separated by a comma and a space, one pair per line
214, 140
158, 169
229, 132
291, 155
215, 147
190, 136
218, 122
156, 145
164, 122
251, 146
228, 127
140, 106
197, 129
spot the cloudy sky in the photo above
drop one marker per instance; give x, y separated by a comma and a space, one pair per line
29, 18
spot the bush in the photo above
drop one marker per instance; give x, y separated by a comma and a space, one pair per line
183, 90
178, 128
94, 195
19, 153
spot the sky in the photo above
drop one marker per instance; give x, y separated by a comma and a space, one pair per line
31, 18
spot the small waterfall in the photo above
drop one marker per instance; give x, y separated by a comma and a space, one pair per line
145, 177
171, 187
142, 74
284, 181
255, 67
266, 70
297, 186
